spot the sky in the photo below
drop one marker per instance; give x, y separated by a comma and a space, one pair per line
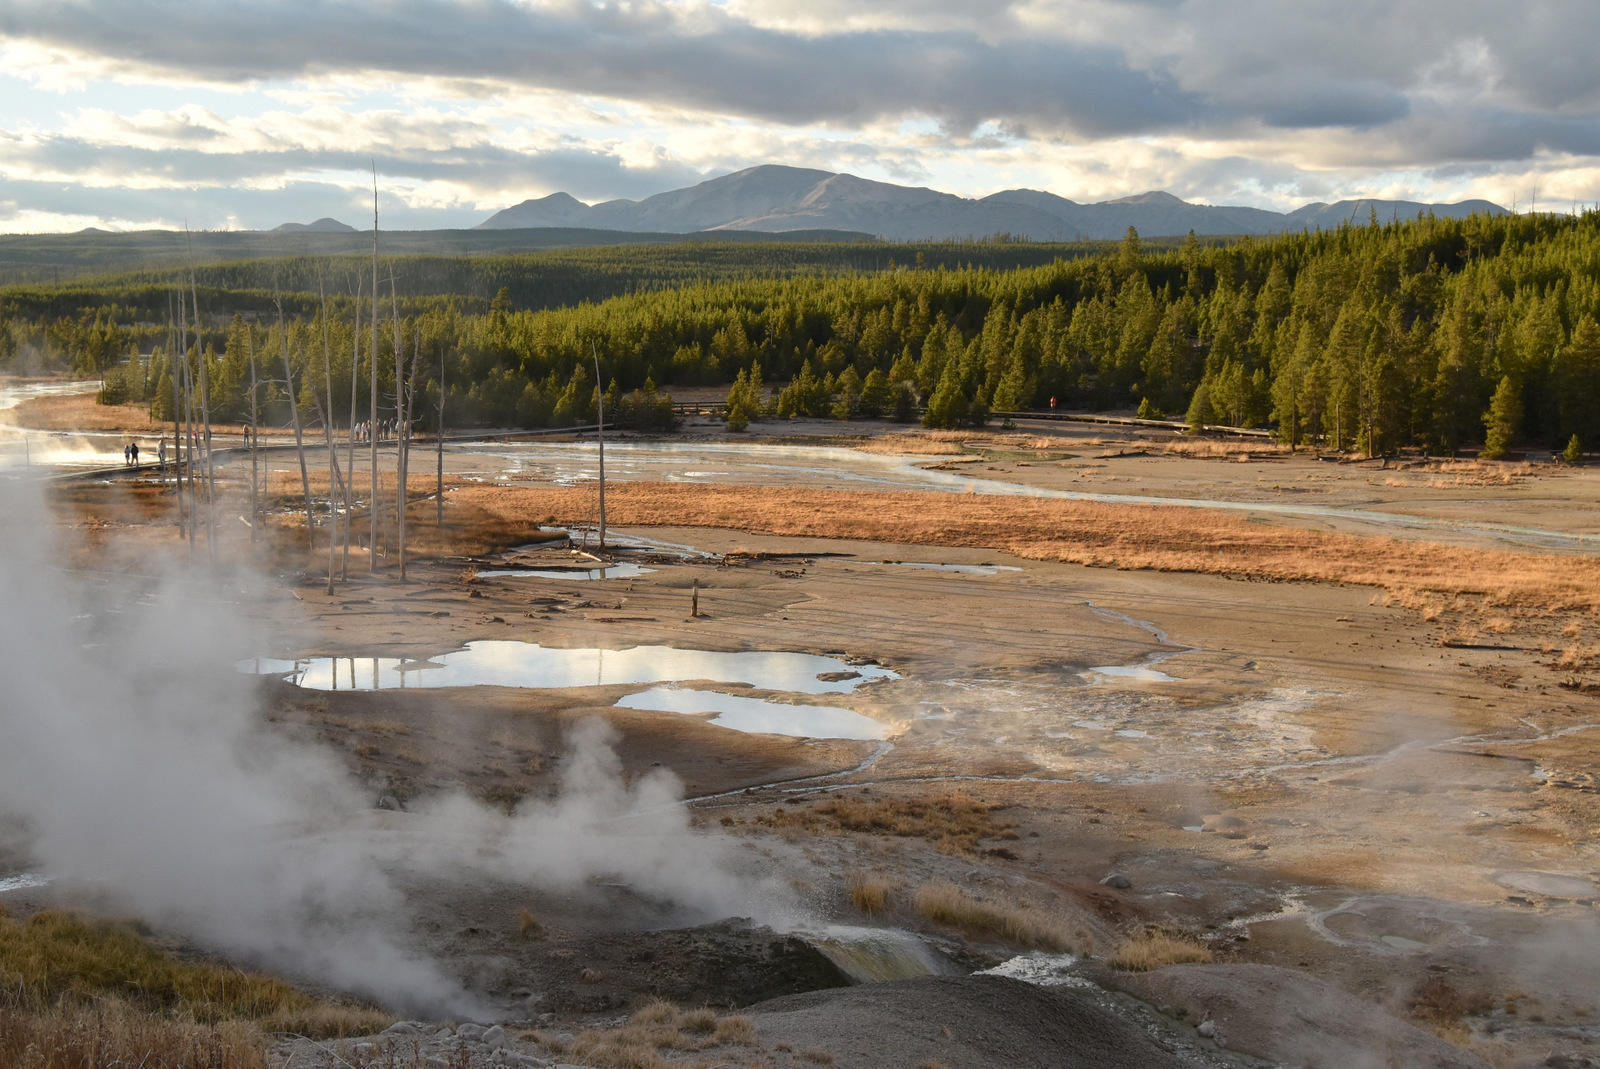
243, 114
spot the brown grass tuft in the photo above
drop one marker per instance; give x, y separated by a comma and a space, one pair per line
57, 957
1156, 949
953, 822
945, 903
735, 1031
111, 1034
870, 894
528, 926
658, 1029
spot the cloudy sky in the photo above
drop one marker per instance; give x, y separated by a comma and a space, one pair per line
248, 113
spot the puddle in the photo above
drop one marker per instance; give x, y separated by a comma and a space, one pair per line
508, 663
876, 955
24, 881
625, 570
1548, 884
758, 716
1137, 672
962, 569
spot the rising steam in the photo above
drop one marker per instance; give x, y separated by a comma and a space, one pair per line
134, 757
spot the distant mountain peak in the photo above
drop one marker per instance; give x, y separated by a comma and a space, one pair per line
1154, 198
325, 225
774, 198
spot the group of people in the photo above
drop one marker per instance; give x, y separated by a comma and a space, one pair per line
387, 430
130, 454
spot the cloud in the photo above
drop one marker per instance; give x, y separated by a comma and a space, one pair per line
697, 55
471, 105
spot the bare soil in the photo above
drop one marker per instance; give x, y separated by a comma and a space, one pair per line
1358, 770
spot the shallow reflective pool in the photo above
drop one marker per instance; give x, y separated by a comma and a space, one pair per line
501, 663
505, 663
625, 570
960, 569
758, 716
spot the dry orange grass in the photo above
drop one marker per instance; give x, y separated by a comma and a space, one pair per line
110, 1034
1191, 447
945, 903
659, 1035
1079, 532
921, 443
79, 412
1156, 949
954, 823
870, 894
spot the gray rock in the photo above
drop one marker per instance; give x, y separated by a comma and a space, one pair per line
494, 1037
403, 1028
473, 1032
1117, 880
1207, 1028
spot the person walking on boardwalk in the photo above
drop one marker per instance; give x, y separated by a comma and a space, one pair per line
133, 449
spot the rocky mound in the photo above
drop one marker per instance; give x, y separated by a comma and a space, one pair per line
1293, 1018
966, 1022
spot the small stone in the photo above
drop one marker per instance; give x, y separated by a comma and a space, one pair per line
494, 1037
1207, 1028
1117, 880
402, 1028
473, 1032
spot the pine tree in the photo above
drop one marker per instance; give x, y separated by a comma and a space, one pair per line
1200, 412
1573, 453
875, 394
948, 407
1502, 420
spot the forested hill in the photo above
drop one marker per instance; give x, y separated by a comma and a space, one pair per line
1369, 337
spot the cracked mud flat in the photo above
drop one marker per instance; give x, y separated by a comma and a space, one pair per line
1295, 775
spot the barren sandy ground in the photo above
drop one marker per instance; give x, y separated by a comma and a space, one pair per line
1320, 784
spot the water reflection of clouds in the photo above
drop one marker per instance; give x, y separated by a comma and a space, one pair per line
759, 716
504, 663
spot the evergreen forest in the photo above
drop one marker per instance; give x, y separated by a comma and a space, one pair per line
1438, 334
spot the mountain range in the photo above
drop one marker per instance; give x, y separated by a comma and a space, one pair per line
774, 199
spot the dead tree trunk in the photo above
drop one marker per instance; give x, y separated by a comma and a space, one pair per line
294, 417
